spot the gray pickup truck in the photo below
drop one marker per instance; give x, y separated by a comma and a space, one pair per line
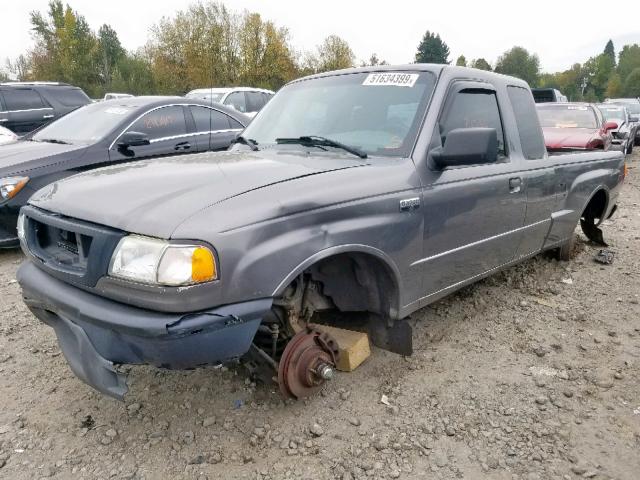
353, 199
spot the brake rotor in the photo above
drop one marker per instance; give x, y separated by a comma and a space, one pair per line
308, 361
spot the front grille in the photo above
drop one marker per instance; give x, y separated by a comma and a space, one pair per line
72, 250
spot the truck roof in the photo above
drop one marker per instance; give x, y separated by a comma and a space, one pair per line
437, 69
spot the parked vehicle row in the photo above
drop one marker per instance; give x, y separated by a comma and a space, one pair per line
357, 196
625, 135
25, 106
108, 133
574, 126
244, 99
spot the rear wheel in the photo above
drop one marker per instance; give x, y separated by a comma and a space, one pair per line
629, 147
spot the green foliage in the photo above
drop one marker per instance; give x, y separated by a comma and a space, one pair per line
628, 60
432, 49
481, 64
333, 54
461, 61
373, 61
610, 51
614, 86
632, 84
207, 45
518, 62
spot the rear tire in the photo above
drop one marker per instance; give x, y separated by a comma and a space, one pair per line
629, 148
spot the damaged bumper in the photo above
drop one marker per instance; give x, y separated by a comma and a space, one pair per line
95, 333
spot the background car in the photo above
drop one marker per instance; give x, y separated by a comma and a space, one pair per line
574, 126
106, 133
623, 136
25, 106
633, 107
546, 95
112, 96
7, 136
244, 99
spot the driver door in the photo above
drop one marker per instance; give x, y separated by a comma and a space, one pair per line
166, 128
472, 214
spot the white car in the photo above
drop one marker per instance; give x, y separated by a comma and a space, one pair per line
7, 136
244, 99
111, 96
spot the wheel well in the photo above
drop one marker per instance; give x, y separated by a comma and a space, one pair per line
356, 282
596, 207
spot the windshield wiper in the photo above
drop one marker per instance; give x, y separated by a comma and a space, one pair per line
252, 144
52, 140
317, 141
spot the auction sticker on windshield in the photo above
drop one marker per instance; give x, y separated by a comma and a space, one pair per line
396, 79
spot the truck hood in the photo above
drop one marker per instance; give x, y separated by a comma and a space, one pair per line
152, 197
24, 155
568, 137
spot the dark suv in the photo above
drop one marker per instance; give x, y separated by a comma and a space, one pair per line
25, 106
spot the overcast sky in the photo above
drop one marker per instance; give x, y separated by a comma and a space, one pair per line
561, 33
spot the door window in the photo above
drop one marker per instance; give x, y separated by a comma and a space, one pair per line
209, 119
236, 125
470, 108
23, 99
237, 101
70, 97
161, 123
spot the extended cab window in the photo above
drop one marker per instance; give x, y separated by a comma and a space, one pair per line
529, 129
470, 108
209, 119
161, 123
23, 99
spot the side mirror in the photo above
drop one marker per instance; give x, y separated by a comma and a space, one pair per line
634, 118
467, 146
133, 139
608, 126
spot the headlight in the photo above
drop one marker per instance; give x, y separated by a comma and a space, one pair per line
158, 262
10, 186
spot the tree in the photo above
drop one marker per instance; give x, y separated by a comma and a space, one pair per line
20, 68
628, 60
373, 61
481, 64
614, 86
64, 48
109, 53
610, 51
632, 84
461, 61
334, 53
209, 45
432, 49
518, 62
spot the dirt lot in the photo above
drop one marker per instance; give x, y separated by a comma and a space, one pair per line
531, 374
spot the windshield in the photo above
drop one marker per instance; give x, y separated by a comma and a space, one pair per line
377, 113
206, 96
85, 125
612, 113
567, 116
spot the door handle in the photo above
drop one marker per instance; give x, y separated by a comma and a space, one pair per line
47, 116
182, 146
515, 185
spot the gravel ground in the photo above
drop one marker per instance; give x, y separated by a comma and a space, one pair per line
531, 374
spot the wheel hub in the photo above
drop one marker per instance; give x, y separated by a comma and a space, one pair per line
308, 361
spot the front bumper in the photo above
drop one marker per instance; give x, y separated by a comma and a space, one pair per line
95, 333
